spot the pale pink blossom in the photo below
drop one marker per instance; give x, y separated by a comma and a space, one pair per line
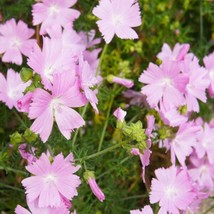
197, 84
177, 54
54, 14
96, 189
118, 17
46, 107
23, 103
15, 41
53, 58
27, 155
170, 115
205, 143
87, 80
12, 88
172, 189
52, 181
146, 210
164, 83
202, 172
209, 65
121, 81
182, 144
35, 209
150, 119
120, 114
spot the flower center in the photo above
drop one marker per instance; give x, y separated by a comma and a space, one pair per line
166, 82
170, 192
50, 178
13, 93
56, 105
117, 20
211, 74
48, 72
53, 10
15, 43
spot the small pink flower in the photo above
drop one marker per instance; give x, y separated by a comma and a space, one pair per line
52, 182
146, 210
27, 155
12, 88
166, 81
172, 189
15, 41
96, 189
118, 18
150, 124
35, 209
209, 65
46, 107
55, 13
182, 144
23, 104
120, 114
177, 54
121, 81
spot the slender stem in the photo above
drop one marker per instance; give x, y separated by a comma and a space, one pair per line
101, 58
134, 197
201, 24
11, 187
13, 170
77, 131
106, 172
106, 124
101, 152
19, 118
208, 210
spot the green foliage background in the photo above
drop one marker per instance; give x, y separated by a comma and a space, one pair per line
117, 172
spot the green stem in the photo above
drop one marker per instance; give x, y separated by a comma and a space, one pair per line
106, 172
77, 131
11, 187
106, 124
13, 170
101, 152
101, 58
201, 24
207, 211
133, 197
19, 118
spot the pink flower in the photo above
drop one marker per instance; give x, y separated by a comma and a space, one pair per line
177, 54
121, 81
87, 79
23, 103
184, 141
172, 189
50, 60
146, 210
118, 17
55, 13
202, 172
51, 181
45, 107
197, 84
27, 155
33, 206
170, 115
205, 145
150, 124
120, 114
96, 189
209, 65
15, 41
12, 88
166, 81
